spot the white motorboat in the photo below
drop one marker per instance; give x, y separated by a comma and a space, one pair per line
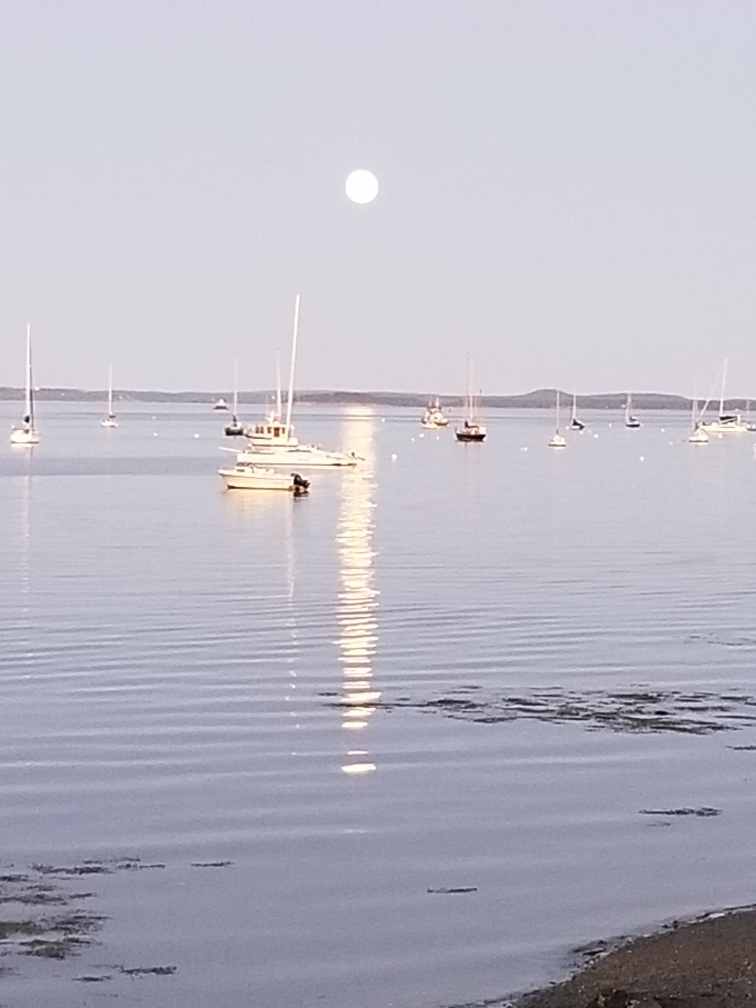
558, 440
630, 420
726, 423
433, 418
244, 476
110, 419
28, 433
472, 429
302, 456
220, 404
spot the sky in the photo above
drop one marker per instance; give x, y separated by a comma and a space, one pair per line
567, 192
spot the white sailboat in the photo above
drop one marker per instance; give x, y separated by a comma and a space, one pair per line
727, 423
472, 429
272, 443
630, 420
110, 419
235, 429
697, 434
558, 440
575, 424
28, 433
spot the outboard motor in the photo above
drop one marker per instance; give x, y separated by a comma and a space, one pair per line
301, 485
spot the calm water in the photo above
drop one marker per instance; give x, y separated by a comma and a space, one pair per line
416, 679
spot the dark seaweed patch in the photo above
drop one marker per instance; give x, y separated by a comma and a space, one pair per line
640, 711
703, 812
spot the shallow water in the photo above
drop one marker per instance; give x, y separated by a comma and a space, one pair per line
266, 697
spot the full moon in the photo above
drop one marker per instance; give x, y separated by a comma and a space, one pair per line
361, 186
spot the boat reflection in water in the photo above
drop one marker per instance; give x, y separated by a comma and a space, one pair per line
358, 598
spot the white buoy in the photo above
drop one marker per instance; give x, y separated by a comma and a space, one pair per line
196, 435
394, 457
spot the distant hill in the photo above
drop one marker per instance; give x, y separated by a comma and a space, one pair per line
538, 399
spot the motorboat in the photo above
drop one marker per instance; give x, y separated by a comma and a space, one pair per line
302, 456
433, 418
244, 476
110, 419
630, 420
558, 440
220, 404
27, 434
472, 429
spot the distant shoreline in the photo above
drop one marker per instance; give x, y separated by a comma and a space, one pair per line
538, 399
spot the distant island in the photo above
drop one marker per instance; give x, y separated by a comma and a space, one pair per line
538, 399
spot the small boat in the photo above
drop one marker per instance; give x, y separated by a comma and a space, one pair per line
272, 442
697, 434
28, 433
472, 429
220, 404
434, 418
235, 429
726, 423
244, 476
558, 440
575, 424
110, 419
630, 420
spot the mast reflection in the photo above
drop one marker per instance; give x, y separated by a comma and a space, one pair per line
358, 597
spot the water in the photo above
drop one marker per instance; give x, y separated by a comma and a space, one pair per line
432, 673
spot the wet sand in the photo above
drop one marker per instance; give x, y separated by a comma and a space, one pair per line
708, 962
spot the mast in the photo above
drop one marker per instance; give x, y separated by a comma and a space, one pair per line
236, 387
468, 389
574, 406
628, 406
291, 370
29, 415
110, 391
722, 395
557, 410
279, 408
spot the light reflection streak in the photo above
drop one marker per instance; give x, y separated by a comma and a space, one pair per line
358, 597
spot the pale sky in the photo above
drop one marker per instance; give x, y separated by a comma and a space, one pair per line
567, 190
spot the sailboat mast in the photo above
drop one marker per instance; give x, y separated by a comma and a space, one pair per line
722, 395
236, 387
110, 390
468, 389
291, 370
279, 407
29, 391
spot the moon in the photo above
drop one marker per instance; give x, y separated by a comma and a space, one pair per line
361, 186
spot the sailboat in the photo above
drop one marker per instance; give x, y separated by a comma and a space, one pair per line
558, 440
235, 429
727, 423
110, 420
472, 429
272, 443
575, 424
28, 434
630, 420
697, 434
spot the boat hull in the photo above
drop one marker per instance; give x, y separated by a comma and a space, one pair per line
246, 477
24, 437
463, 435
301, 458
